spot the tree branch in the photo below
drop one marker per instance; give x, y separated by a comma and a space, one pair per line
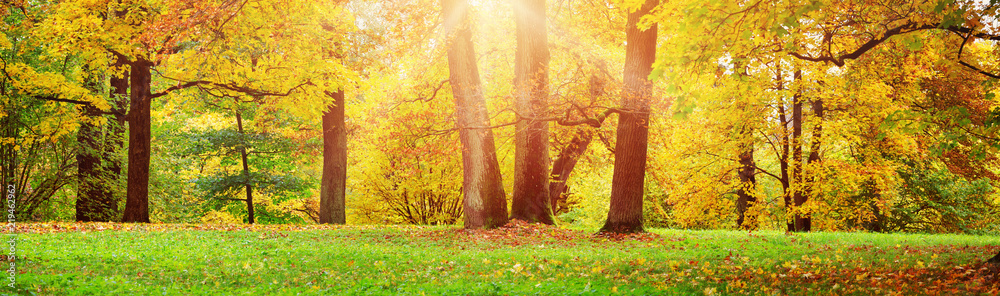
861, 50
240, 89
593, 122
78, 102
177, 87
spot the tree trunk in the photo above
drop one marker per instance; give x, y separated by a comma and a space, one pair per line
786, 142
813, 160
334, 183
95, 200
745, 194
485, 203
563, 166
114, 135
246, 167
137, 192
802, 222
531, 200
625, 214
9, 127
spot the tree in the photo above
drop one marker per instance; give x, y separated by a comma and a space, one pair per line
485, 204
263, 160
531, 200
627, 185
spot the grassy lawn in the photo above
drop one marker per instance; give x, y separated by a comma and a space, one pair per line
157, 259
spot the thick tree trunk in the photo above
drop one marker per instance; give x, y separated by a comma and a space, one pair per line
114, 135
485, 203
802, 222
137, 192
745, 194
95, 200
246, 168
531, 200
9, 127
625, 214
334, 182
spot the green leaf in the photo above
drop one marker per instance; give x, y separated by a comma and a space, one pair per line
914, 44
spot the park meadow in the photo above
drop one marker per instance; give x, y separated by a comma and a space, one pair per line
500, 147
517, 259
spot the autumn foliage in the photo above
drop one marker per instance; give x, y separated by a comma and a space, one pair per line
768, 115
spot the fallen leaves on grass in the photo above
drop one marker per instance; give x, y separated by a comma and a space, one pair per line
743, 264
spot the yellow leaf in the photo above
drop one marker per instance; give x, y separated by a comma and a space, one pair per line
4, 42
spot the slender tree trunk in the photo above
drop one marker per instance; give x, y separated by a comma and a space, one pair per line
798, 197
785, 147
627, 184
745, 194
137, 192
485, 203
334, 183
246, 167
816, 144
531, 200
814, 158
786, 193
563, 166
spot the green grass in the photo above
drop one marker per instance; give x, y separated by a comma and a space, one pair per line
524, 260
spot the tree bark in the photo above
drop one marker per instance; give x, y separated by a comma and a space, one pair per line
563, 166
95, 198
485, 203
9, 128
802, 222
813, 160
114, 135
94, 202
627, 183
137, 192
246, 167
530, 198
334, 183
786, 143
745, 194
786, 193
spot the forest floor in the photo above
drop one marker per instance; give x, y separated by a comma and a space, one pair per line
180, 259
